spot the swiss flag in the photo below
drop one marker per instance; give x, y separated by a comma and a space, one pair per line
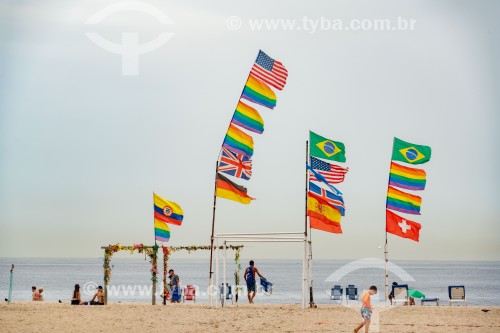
401, 227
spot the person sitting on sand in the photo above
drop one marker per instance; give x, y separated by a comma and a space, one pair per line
175, 288
250, 280
99, 295
40, 293
35, 294
76, 299
366, 309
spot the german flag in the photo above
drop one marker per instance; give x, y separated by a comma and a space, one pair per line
227, 189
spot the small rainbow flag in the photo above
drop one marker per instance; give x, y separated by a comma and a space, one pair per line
238, 141
258, 92
162, 231
403, 202
247, 117
406, 177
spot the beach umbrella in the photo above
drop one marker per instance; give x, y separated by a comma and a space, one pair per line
415, 293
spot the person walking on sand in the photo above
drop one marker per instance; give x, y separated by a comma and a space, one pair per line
35, 294
366, 309
250, 280
174, 287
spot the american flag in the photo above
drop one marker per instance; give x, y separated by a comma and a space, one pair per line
334, 174
234, 164
269, 70
335, 200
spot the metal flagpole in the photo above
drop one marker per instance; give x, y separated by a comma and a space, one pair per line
10, 285
309, 242
210, 278
386, 248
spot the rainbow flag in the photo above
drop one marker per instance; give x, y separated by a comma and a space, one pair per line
162, 231
238, 141
403, 202
258, 92
406, 177
248, 118
167, 211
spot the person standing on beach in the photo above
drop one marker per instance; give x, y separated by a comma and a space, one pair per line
366, 309
40, 294
35, 293
174, 287
250, 280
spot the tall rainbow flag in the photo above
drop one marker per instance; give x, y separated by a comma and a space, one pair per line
258, 92
403, 202
406, 177
247, 117
238, 141
162, 231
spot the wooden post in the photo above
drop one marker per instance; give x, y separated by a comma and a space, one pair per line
154, 263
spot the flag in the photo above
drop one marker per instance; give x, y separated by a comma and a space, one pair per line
162, 231
406, 177
334, 200
401, 227
270, 71
320, 210
325, 148
230, 190
333, 174
323, 180
234, 164
167, 211
410, 153
248, 118
403, 202
258, 92
334, 228
238, 141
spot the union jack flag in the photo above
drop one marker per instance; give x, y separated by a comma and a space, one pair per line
335, 200
234, 164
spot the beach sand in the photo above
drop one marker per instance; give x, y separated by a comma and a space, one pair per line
55, 317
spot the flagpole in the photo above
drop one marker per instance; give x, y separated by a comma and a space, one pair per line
386, 247
210, 278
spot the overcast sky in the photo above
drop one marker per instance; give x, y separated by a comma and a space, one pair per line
82, 147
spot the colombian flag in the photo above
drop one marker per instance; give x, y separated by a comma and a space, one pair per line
167, 211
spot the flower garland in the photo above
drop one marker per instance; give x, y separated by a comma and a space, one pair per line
237, 270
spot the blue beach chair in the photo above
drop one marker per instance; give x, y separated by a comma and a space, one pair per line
228, 295
351, 293
336, 293
400, 294
457, 294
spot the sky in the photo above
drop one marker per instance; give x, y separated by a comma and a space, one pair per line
83, 147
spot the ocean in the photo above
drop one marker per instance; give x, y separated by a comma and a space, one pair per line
131, 279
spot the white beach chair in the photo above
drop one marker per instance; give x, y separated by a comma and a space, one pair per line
457, 294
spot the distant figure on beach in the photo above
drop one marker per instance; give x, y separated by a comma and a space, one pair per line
391, 295
35, 294
76, 299
175, 288
99, 295
250, 280
40, 294
366, 309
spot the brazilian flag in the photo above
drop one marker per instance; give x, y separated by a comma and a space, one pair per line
410, 153
325, 148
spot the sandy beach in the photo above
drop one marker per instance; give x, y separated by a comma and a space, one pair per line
55, 317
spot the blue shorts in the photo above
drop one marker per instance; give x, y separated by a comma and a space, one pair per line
365, 313
251, 286
176, 294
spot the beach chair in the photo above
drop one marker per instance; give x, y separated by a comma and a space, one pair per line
267, 287
189, 294
336, 293
400, 292
457, 294
351, 293
228, 295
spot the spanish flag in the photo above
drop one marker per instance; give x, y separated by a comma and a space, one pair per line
167, 211
227, 189
322, 215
